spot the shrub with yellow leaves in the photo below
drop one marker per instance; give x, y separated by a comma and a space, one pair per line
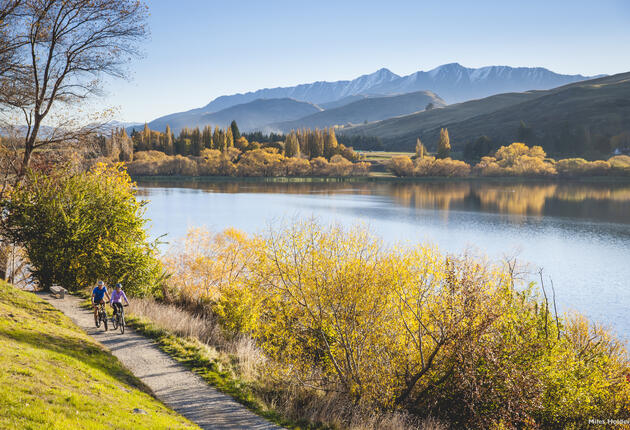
403, 328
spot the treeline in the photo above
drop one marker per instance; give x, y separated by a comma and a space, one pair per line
305, 143
226, 152
516, 159
262, 162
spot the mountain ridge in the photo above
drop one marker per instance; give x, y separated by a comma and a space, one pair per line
452, 82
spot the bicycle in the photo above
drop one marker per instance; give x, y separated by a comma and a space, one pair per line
118, 320
101, 316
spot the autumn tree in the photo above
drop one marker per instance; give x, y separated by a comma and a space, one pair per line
229, 138
292, 146
206, 137
420, 149
168, 141
197, 144
330, 143
216, 137
444, 144
63, 50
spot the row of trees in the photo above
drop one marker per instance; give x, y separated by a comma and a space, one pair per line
264, 162
516, 159
306, 143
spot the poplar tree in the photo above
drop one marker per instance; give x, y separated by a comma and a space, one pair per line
146, 137
420, 149
222, 142
216, 137
168, 141
444, 144
330, 143
292, 146
229, 138
196, 144
206, 137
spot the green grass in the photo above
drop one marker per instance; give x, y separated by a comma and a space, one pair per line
53, 375
383, 155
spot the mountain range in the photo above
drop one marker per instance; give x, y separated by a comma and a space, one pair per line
453, 83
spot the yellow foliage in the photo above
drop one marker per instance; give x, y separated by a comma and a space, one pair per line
516, 159
336, 310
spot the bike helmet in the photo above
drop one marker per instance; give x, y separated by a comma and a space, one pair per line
101, 283
118, 285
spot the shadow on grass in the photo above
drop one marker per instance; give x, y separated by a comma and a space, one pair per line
78, 349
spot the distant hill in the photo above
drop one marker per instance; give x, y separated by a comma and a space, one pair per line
258, 113
453, 82
564, 120
365, 109
250, 116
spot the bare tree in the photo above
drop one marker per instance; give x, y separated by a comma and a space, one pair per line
63, 49
8, 44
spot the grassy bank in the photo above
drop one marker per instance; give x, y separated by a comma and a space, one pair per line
52, 375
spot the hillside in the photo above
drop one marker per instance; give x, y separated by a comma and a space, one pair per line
257, 114
366, 109
52, 375
250, 116
563, 120
453, 82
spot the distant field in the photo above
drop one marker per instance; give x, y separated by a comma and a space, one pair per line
383, 155
53, 375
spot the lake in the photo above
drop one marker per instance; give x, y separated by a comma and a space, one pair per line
579, 233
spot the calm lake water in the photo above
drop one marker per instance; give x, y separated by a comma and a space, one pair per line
579, 233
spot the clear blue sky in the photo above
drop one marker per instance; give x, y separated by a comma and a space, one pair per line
202, 49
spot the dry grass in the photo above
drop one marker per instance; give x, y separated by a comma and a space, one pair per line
247, 359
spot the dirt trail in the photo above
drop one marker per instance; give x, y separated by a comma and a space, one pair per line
171, 382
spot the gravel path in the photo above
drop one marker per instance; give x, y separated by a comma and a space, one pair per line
171, 382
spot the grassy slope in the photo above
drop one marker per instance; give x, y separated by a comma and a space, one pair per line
367, 109
601, 104
53, 375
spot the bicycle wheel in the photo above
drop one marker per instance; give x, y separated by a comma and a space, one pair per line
121, 323
97, 321
105, 320
115, 322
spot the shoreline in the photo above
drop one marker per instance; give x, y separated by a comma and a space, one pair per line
385, 179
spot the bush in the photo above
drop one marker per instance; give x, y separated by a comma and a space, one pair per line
516, 159
581, 167
620, 164
79, 228
428, 166
451, 337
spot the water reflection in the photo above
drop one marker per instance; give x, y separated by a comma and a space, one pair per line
607, 202
578, 232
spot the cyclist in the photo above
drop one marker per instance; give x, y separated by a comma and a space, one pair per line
98, 293
116, 300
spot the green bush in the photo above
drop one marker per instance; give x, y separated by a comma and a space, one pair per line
78, 228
